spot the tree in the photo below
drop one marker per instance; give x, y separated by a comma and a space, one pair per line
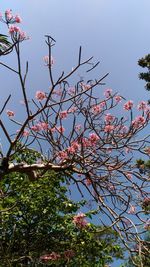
97, 149
42, 226
145, 63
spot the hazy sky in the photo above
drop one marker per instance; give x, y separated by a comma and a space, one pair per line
116, 32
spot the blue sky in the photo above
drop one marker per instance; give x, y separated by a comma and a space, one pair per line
116, 32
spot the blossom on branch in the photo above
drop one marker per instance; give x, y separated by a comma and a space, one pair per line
40, 95
80, 221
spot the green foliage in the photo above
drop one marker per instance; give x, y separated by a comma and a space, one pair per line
37, 219
145, 63
4, 44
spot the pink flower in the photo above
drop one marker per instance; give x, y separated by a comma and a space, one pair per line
85, 142
109, 128
142, 105
93, 137
109, 118
128, 105
8, 14
79, 220
18, 19
96, 109
52, 256
73, 148
138, 122
17, 33
118, 98
132, 210
62, 155
63, 114
22, 35
40, 95
43, 125
72, 110
102, 104
57, 92
13, 29
10, 113
124, 129
25, 133
85, 86
36, 128
46, 60
108, 93
71, 90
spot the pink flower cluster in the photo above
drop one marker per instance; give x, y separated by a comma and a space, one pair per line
96, 109
142, 106
85, 86
17, 33
138, 122
40, 95
118, 98
10, 113
72, 110
73, 148
71, 90
41, 126
128, 105
63, 114
91, 141
93, 138
53, 256
46, 60
109, 118
62, 155
50, 257
108, 93
10, 18
57, 92
26, 133
109, 128
80, 221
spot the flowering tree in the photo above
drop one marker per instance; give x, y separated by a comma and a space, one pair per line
80, 134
